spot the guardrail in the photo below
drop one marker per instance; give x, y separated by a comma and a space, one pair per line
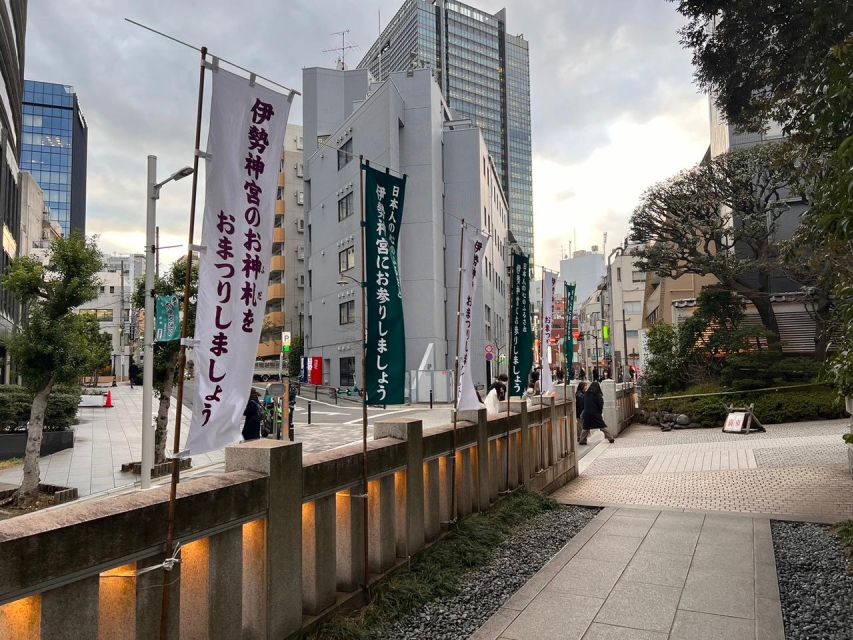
275, 524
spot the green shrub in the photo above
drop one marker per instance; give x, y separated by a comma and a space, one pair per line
762, 369
16, 402
771, 407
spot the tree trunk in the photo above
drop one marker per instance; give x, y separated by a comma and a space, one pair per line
28, 493
163, 411
768, 319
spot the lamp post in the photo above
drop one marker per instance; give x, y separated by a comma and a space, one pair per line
153, 194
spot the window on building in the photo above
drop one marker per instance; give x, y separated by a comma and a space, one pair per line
299, 142
632, 334
112, 289
346, 312
633, 308
102, 315
618, 274
344, 154
346, 206
346, 259
347, 372
279, 193
638, 276
300, 197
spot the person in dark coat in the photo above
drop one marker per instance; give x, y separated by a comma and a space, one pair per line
593, 406
253, 413
133, 372
580, 392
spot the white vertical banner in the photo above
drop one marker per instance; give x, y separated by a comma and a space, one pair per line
473, 247
247, 125
549, 287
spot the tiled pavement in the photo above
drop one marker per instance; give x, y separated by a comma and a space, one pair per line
107, 438
792, 470
635, 574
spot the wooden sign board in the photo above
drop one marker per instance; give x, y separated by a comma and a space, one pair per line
742, 420
737, 422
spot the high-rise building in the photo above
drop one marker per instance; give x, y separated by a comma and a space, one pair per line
54, 150
484, 74
585, 269
286, 292
404, 124
13, 22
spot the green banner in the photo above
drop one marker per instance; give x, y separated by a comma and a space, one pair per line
569, 340
521, 345
386, 336
167, 326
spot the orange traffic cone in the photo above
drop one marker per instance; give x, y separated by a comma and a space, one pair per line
109, 403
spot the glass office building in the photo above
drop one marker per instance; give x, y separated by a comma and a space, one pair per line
53, 150
484, 73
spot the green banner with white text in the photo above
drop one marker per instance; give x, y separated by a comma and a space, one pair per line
167, 325
521, 345
386, 336
569, 340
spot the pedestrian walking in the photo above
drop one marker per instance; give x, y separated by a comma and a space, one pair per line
133, 372
254, 415
580, 392
593, 406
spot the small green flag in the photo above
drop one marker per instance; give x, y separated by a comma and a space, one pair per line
167, 325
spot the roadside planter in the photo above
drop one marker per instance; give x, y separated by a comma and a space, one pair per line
14, 444
92, 400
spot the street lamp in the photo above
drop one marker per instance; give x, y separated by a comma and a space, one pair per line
153, 194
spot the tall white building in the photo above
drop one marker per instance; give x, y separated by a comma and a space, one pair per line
585, 269
405, 124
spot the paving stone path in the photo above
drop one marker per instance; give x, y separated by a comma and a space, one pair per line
792, 470
640, 574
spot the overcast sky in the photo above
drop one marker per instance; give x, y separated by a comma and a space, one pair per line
613, 101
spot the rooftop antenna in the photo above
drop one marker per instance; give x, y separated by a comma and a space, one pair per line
342, 50
604, 245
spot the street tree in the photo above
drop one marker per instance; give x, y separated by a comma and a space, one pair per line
720, 218
100, 347
791, 62
166, 354
294, 358
53, 344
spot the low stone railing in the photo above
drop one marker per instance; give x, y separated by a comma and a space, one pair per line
276, 541
620, 404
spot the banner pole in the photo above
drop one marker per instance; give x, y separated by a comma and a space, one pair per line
453, 506
365, 525
182, 359
509, 368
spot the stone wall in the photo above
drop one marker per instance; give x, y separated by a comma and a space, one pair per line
274, 525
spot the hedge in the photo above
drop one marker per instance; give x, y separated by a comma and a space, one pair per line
16, 402
771, 407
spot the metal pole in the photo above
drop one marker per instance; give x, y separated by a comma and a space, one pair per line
624, 342
453, 507
365, 532
157, 251
148, 339
182, 358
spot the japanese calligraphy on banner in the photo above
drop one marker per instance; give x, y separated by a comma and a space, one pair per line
568, 341
386, 336
549, 286
473, 246
167, 324
521, 333
247, 124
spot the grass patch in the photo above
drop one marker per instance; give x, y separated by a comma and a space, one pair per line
11, 462
438, 571
844, 533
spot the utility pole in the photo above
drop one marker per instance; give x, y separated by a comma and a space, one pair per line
157, 251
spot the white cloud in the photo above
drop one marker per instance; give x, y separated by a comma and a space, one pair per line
599, 193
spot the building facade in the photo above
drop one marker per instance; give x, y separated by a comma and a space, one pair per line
54, 150
585, 269
13, 23
114, 307
484, 74
404, 124
285, 309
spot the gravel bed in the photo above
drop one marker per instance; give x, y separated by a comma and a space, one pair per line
485, 589
815, 586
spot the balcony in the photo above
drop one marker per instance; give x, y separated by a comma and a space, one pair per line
274, 319
281, 179
279, 207
275, 292
278, 234
277, 263
269, 349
